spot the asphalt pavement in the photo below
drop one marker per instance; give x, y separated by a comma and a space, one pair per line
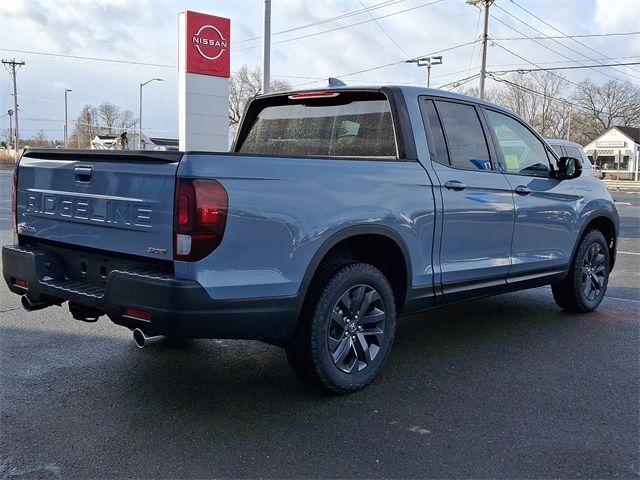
507, 387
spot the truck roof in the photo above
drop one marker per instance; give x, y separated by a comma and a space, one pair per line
410, 91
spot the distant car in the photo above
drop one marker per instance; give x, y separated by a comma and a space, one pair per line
597, 172
566, 148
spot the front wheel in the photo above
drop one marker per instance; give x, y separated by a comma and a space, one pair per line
346, 333
584, 287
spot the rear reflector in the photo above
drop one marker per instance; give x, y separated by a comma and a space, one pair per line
299, 96
137, 314
21, 283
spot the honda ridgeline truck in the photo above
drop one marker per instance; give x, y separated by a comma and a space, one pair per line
335, 212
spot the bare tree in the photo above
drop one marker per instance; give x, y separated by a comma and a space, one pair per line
105, 119
244, 85
126, 120
614, 103
38, 140
86, 126
538, 98
551, 105
109, 115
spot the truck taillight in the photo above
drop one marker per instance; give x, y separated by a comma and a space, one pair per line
201, 215
14, 200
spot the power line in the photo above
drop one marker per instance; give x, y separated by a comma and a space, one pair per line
95, 59
115, 60
462, 81
561, 32
556, 41
532, 63
475, 36
387, 3
531, 90
550, 37
345, 26
383, 30
574, 67
378, 67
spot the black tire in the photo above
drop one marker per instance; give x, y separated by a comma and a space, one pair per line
584, 287
341, 349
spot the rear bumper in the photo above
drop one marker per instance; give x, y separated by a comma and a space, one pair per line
177, 307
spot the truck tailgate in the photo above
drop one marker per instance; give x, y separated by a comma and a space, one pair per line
121, 202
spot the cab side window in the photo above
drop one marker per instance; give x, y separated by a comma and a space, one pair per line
522, 152
464, 135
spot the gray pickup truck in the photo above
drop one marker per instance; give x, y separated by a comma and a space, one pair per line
336, 211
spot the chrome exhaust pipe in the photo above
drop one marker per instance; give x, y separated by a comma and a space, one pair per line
143, 340
30, 305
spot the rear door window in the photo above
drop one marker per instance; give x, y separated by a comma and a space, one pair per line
464, 135
436, 134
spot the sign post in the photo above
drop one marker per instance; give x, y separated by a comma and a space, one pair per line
203, 84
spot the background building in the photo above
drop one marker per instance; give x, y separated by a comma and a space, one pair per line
616, 152
130, 142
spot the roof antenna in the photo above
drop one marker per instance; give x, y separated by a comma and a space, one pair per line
334, 82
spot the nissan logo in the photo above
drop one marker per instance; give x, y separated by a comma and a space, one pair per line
209, 42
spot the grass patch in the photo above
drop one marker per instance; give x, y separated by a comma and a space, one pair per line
6, 158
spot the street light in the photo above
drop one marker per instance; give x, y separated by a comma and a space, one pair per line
140, 116
66, 123
427, 62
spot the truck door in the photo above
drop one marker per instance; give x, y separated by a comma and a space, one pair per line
544, 232
477, 201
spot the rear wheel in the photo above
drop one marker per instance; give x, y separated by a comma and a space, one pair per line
345, 335
586, 283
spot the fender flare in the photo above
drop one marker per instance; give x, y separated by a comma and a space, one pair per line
592, 216
344, 234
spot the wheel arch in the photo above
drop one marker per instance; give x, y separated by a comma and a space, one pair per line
342, 245
605, 224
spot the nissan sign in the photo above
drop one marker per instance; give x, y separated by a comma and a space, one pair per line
208, 44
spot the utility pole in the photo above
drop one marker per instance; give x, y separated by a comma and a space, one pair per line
485, 37
11, 67
66, 123
266, 48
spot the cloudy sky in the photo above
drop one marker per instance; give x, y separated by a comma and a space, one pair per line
354, 47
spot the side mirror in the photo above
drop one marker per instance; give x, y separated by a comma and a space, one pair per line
568, 168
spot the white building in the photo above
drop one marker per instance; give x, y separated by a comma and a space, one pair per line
617, 152
130, 142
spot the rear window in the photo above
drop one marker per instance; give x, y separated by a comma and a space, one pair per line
574, 152
341, 126
557, 149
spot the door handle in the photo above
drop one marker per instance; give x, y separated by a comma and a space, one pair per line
83, 174
455, 185
523, 190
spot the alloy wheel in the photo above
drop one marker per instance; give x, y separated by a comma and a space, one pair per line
593, 271
356, 328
